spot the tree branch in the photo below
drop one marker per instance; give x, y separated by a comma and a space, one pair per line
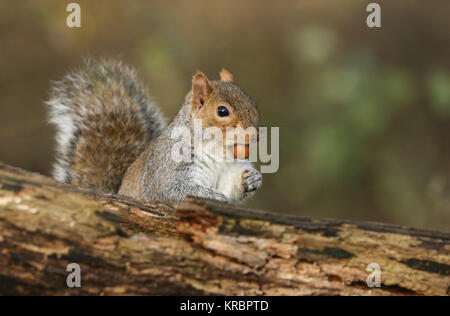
199, 247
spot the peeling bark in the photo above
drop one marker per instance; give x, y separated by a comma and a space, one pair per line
199, 247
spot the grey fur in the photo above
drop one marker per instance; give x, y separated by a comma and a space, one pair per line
68, 115
154, 175
174, 181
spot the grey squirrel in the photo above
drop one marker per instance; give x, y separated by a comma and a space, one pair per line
112, 137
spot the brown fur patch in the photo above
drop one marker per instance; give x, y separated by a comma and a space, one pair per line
226, 76
244, 112
113, 134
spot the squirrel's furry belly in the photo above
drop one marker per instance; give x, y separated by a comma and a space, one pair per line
225, 177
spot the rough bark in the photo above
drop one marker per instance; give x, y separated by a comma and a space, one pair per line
199, 247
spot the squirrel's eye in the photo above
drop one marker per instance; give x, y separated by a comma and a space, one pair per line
222, 111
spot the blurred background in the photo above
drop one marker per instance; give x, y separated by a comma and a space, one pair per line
364, 114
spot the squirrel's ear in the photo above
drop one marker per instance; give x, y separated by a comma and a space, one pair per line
226, 76
201, 89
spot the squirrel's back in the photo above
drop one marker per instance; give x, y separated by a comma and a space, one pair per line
104, 120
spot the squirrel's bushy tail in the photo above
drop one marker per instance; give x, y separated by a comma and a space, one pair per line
104, 120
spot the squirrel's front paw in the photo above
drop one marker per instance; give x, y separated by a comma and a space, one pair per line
220, 197
251, 181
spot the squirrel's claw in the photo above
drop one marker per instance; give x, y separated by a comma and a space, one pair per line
251, 180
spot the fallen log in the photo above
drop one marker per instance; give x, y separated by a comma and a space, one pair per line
199, 247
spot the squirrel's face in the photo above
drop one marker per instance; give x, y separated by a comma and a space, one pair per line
224, 105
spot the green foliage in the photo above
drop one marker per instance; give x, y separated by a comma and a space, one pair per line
439, 92
364, 114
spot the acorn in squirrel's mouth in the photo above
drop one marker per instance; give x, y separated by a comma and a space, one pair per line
241, 151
